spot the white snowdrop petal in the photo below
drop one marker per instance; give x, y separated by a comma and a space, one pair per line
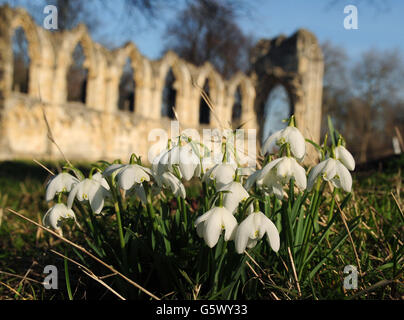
96, 198
345, 177
243, 233
72, 195
251, 180
203, 217
223, 174
299, 174
272, 233
230, 225
50, 191
297, 142
314, 173
126, 178
283, 169
346, 158
236, 193
268, 167
139, 190
213, 229
270, 146
112, 169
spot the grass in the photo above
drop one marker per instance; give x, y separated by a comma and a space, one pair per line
376, 243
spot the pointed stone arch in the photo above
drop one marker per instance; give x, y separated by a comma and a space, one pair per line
182, 82
65, 48
142, 78
247, 91
11, 20
216, 93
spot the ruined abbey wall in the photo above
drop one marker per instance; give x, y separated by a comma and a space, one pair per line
99, 130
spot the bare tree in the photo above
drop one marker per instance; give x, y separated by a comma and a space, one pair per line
364, 98
377, 79
206, 30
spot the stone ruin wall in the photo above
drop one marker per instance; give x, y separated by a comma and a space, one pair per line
98, 130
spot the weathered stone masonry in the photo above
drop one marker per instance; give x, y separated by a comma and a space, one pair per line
99, 130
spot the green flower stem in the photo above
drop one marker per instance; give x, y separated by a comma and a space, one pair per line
205, 195
118, 209
184, 211
331, 212
121, 237
220, 200
67, 277
313, 211
256, 205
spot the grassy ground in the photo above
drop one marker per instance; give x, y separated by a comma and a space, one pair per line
376, 244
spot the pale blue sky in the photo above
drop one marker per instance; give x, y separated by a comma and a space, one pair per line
380, 24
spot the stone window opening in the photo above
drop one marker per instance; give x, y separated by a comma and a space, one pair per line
237, 108
204, 110
277, 107
127, 88
169, 96
21, 61
77, 76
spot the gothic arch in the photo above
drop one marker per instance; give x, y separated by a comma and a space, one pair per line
247, 91
266, 89
78, 35
10, 21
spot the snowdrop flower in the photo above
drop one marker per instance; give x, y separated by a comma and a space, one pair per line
211, 223
63, 182
189, 163
93, 189
289, 135
139, 191
221, 173
345, 157
331, 170
236, 193
55, 214
131, 174
253, 179
252, 229
280, 171
170, 181
112, 170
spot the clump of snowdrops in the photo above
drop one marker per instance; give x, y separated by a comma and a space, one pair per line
192, 225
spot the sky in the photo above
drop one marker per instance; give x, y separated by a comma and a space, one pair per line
380, 24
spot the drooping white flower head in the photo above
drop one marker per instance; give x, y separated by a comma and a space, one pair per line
182, 157
211, 223
188, 162
252, 229
63, 182
253, 179
331, 170
112, 170
346, 158
54, 215
222, 173
289, 135
279, 172
236, 193
170, 181
93, 190
131, 174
